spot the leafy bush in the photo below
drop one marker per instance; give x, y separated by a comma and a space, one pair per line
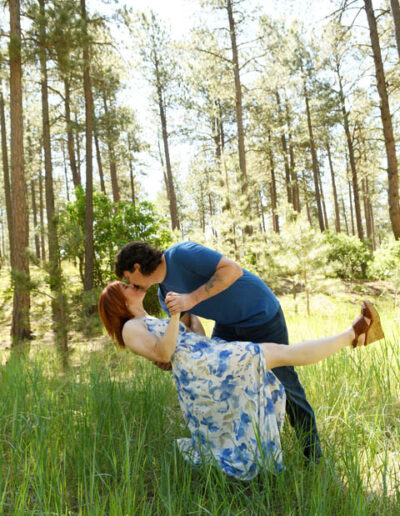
115, 224
348, 255
386, 262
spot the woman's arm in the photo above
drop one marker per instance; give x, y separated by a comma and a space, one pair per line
158, 349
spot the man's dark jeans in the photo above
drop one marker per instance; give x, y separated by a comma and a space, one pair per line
301, 415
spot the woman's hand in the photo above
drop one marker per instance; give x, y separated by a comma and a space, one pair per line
177, 303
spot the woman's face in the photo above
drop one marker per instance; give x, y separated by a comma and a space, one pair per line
133, 295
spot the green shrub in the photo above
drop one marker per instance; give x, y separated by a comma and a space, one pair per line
115, 224
386, 262
348, 255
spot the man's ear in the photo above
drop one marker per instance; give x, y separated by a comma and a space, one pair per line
136, 267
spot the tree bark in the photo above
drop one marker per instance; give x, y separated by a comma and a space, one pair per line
334, 191
171, 188
78, 146
345, 217
293, 173
6, 171
99, 163
111, 157
238, 97
65, 170
354, 175
392, 170
353, 231
87, 87
239, 114
272, 188
55, 276
41, 215
396, 18
35, 220
326, 223
20, 328
131, 173
76, 178
314, 158
284, 150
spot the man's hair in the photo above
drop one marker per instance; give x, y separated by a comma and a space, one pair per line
147, 256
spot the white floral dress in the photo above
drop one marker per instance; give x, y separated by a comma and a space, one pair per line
233, 406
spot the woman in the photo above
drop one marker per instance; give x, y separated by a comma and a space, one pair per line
233, 404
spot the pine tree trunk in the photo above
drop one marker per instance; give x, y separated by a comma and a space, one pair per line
35, 220
354, 175
284, 150
315, 165
20, 328
87, 87
370, 213
353, 231
65, 170
238, 97
132, 181
335, 198
326, 223
305, 192
99, 163
55, 275
393, 177
396, 18
274, 201
261, 209
366, 209
41, 214
345, 217
78, 147
131, 172
239, 113
293, 173
171, 188
111, 157
6, 171
76, 178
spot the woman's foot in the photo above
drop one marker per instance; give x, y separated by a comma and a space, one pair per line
367, 327
361, 327
375, 331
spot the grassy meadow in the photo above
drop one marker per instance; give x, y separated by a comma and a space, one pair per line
98, 439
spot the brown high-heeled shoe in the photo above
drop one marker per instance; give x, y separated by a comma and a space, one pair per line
360, 326
375, 331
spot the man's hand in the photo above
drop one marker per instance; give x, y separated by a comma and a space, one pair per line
165, 366
179, 302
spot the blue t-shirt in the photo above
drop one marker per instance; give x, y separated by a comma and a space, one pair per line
247, 302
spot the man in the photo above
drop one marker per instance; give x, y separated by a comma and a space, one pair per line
210, 285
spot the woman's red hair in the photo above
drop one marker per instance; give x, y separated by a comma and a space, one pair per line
113, 311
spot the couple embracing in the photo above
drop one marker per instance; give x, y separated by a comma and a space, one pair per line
234, 387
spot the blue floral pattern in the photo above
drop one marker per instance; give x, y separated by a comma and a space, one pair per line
233, 406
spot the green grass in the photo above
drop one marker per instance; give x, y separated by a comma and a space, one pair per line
99, 439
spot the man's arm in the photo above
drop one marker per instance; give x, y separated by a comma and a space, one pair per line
226, 273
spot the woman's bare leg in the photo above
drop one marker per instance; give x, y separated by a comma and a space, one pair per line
308, 352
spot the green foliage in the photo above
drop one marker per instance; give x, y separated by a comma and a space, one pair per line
300, 254
115, 224
348, 255
386, 262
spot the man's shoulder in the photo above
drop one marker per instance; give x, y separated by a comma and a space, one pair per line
184, 249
